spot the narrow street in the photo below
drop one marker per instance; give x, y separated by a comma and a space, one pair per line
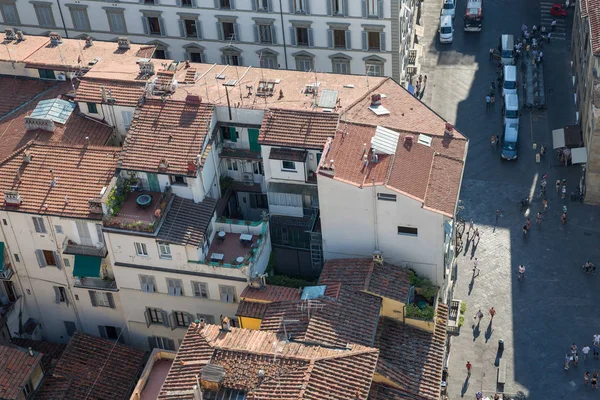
537, 318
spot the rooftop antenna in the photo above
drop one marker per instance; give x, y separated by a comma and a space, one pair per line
285, 321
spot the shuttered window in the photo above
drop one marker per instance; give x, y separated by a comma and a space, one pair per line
148, 283
227, 294
175, 287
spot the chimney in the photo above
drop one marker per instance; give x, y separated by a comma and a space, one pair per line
27, 157
12, 198
225, 325
378, 256
163, 164
9, 34
30, 350
211, 377
375, 100
55, 38
123, 43
88, 41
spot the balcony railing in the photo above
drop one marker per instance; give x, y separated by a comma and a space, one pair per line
70, 247
96, 283
7, 272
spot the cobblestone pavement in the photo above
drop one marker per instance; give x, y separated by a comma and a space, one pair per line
554, 306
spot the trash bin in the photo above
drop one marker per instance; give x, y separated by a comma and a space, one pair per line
500, 345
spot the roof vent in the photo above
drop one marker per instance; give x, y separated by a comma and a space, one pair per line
146, 66
12, 198
425, 140
95, 206
220, 76
124, 43
19, 35
225, 325
230, 82
193, 100
88, 41
45, 124
378, 256
375, 100
9, 34
163, 164
55, 38
211, 377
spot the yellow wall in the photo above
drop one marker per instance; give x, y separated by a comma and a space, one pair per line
419, 323
391, 308
36, 376
249, 323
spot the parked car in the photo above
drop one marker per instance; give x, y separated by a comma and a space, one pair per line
449, 8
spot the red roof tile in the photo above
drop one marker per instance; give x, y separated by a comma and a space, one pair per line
269, 293
251, 309
303, 129
296, 318
166, 130
51, 351
593, 9
126, 94
17, 366
298, 371
18, 91
94, 368
80, 173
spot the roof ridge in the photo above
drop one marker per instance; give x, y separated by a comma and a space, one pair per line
377, 86
76, 146
349, 352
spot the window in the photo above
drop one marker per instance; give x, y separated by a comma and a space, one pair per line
405, 230
149, 2
153, 25
263, 33
258, 200
336, 7
227, 294
194, 56
340, 66
228, 31
70, 327
200, 289
38, 223
190, 28
229, 133
209, 319
374, 69
386, 197
17, 259
10, 15
180, 319
140, 249
261, 5
300, 6
27, 389
101, 299
304, 64
59, 229
4, 221
302, 36
44, 15
156, 316
373, 8
232, 165
66, 262
226, 4
116, 21
177, 180
175, 287
268, 61
111, 333
373, 40
60, 295
289, 165
257, 168
92, 108
158, 342
79, 16
49, 257
164, 250
147, 283
46, 74
188, 3
339, 38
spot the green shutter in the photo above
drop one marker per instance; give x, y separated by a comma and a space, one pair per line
319, 158
233, 133
253, 139
153, 182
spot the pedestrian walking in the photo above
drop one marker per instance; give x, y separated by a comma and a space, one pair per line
476, 235
492, 313
595, 380
497, 141
538, 219
563, 192
567, 361
597, 339
573, 348
493, 97
488, 101
553, 25
541, 57
586, 378
525, 230
521, 272
545, 204
478, 395
575, 359
557, 185
497, 216
548, 37
478, 317
476, 267
469, 366
470, 224
585, 350
493, 141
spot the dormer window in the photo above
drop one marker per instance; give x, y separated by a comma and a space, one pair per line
177, 180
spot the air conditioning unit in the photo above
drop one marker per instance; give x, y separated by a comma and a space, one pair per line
123, 43
61, 76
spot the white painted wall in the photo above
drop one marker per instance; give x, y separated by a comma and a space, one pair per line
349, 228
113, 115
273, 168
17, 69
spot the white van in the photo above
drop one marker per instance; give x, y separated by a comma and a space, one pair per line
507, 49
511, 109
510, 80
446, 29
509, 142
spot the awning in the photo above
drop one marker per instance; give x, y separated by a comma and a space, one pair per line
87, 266
1, 256
579, 155
558, 138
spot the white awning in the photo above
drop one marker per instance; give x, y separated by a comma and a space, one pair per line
558, 138
579, 155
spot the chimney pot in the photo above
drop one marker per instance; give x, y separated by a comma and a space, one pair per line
30, 350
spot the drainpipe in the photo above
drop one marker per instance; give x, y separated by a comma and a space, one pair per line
375, 214
62, 18
283, 35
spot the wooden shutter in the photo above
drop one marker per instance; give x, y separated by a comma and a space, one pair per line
178, 3
145, 25
152, 342
165, 316
93, 298
163, 28
57, 260
220, 30
232, 4
39, 254
307, 7
173, 321
311, 38
292, 8
171, 344
111, 300
292, 36
330, 38
345, 10
365, 40
178, 288
256, 34
171, 285
150, 280
269, 5
380, 9
236, 32
329, 8
198, 29
273, 34
348, 39
364, 9
147, 317
382, 41
217, 4
56, 294
182, 32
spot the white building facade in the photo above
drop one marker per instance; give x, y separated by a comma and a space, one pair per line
372, 37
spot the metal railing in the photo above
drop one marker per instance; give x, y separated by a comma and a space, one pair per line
95, 283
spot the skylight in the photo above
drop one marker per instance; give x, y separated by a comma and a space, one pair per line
56, 110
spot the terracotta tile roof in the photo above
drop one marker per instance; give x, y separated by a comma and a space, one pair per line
20, 50
287, 154
186, 222
73, 53
352, 273
241, 154
13, 134
291, 310
251, 309
51, 352
299, 371
303, 129
593, 8
94, 368
411, 357
17, 366
435, 171
171, 130
126, 94
270, 293
80, 174
389, 281
18, 91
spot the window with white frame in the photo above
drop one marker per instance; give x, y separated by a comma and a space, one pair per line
261, 5
340, 65
148, 284
44, 14
227, 294
268, 61
200, 289
288, 165
141, 249
101, 299
374, 68
263, 33
232, 165
164, 250
10, 15
60, 295
175, 287
304, 64
232, 59
299, 6
39, 225
372, 7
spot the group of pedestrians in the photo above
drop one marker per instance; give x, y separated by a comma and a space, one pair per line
572, 359
420, 86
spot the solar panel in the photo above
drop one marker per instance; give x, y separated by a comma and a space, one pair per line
56, 110
385, 140
328, 98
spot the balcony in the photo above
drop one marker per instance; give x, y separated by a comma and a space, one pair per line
70, 247
6, 272
96, 283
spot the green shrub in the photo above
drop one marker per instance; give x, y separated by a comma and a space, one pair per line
463, 307
414, 311
226, 183
461, 320
428, 289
